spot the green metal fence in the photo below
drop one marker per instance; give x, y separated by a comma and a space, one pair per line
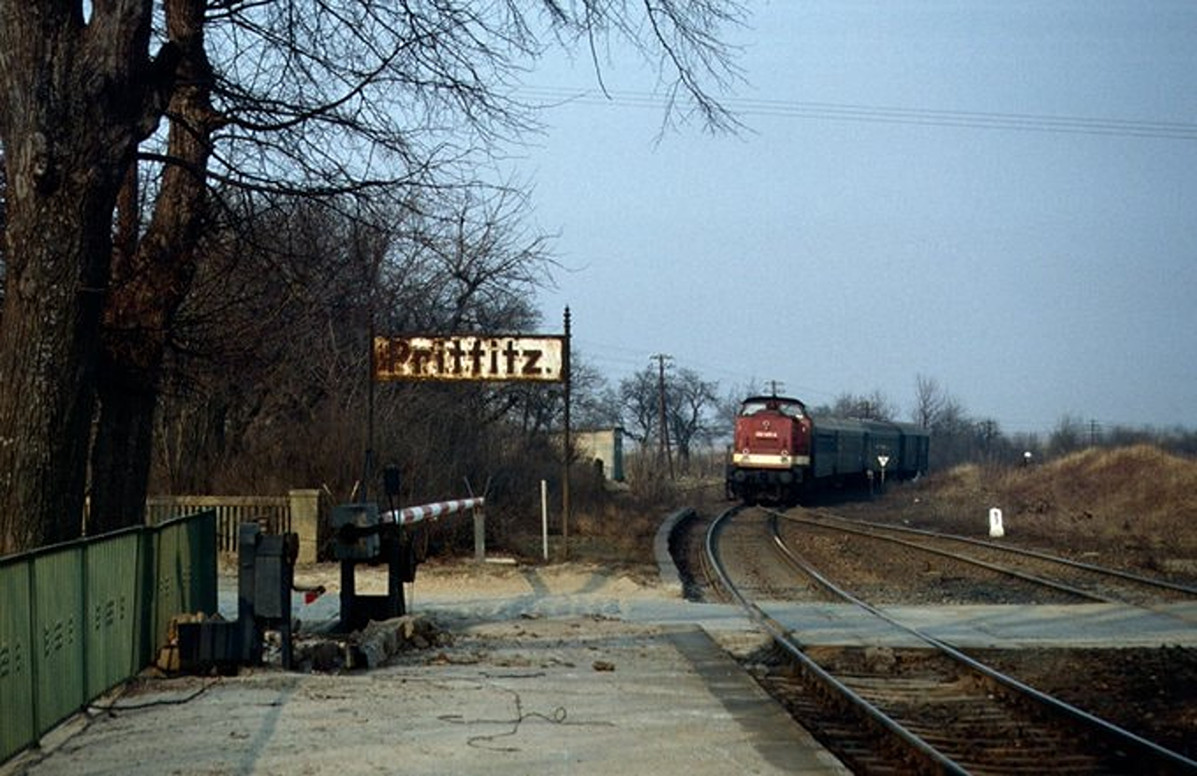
77, 619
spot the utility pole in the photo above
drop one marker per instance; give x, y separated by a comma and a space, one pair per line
663, 450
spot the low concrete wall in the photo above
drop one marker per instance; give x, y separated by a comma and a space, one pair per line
666, 568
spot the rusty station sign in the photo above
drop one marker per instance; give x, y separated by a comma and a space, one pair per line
470, 357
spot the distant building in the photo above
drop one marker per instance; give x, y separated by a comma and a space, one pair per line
601, 448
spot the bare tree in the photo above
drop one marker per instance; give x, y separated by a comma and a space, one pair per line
275, 307
308, 96
639, 396
953, 435
1068, 436
463, 261
691, 402
596, 403
728, 407
875, 406
292, 307
929, 400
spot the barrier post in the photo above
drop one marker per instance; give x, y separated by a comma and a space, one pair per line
305, 521
479, 534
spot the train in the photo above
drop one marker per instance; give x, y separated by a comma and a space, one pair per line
780, 454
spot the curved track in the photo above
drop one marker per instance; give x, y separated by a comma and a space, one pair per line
932, 710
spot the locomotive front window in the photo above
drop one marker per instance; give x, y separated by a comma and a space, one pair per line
791, 409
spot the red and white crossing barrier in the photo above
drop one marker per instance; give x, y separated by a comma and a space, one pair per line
410, 515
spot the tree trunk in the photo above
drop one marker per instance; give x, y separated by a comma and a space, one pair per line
150, 282
120, 456
47, 359
76, 102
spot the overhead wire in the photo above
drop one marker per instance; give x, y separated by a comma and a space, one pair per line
552, 97
829, 111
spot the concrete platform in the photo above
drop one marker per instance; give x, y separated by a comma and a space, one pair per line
533, 696
578, 673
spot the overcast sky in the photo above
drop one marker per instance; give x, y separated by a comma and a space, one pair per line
1000, 196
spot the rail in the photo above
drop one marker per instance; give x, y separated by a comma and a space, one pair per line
915, 749
1118, 747
859, 527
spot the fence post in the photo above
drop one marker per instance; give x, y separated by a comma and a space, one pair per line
305, 521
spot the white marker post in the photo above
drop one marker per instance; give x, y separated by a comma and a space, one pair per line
544, 517
884, 461
995, 523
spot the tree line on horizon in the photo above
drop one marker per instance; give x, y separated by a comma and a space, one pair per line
703, 421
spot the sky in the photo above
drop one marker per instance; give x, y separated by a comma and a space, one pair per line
998, 196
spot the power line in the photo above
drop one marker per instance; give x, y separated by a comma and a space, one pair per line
828, 111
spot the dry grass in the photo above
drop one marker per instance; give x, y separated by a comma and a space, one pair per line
617, 524
1137, 501
613, 525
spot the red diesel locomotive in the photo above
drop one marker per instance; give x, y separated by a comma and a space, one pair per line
780, 451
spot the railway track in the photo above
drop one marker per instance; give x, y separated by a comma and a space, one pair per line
928, 710
1083, 580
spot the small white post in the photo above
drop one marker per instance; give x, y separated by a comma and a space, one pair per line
544, 517
995, 523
